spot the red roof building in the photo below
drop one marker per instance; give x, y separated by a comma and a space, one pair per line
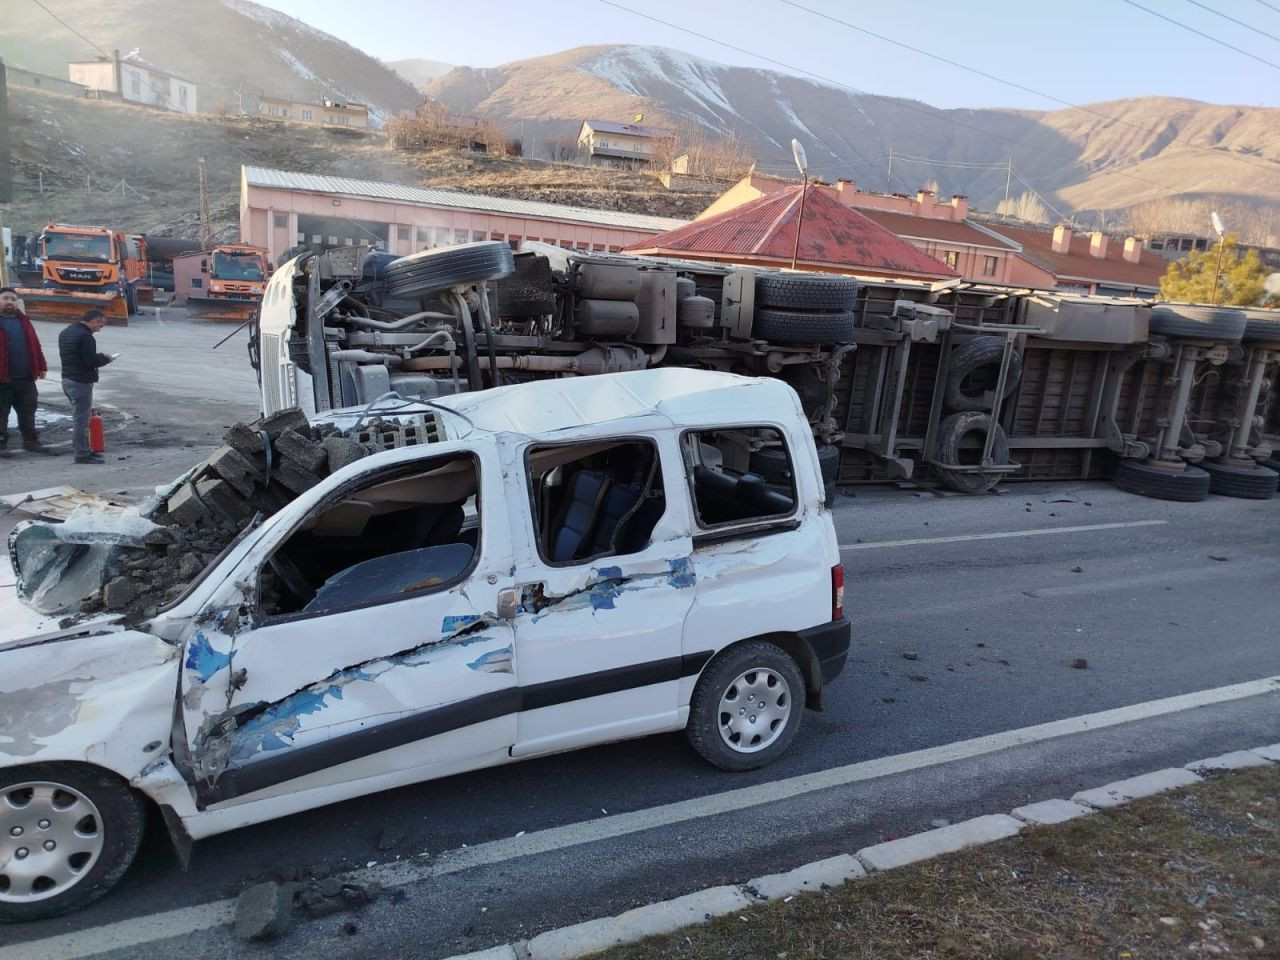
833, 238
1088, 263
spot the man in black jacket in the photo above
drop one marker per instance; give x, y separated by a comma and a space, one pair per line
80, 363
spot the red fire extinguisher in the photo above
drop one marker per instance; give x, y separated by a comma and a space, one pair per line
97, 441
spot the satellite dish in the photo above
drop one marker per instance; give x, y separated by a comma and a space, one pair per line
797, 151
1216, 220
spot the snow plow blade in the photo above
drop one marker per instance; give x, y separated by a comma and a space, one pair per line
215, 308
68, 306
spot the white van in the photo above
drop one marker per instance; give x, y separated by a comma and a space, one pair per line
580, 561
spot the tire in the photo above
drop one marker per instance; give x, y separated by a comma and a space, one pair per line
1247, 483
740, 674
773, 464
131, 300
787, 327
828, 460
1189, 486
786, 291
118, 816
954, 429
1261, 326
1198, 323
696, 313
970, 357
432, 270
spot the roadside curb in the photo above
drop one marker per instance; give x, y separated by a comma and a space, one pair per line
667, 916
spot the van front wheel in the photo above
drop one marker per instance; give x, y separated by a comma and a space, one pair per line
745, 710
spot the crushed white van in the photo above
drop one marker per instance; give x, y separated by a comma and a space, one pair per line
576, 561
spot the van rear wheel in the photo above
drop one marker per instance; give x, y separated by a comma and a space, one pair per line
745, 710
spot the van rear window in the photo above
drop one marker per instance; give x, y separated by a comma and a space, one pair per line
739, 475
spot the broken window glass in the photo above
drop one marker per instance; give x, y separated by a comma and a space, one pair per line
595, 500
739, 475
397, 535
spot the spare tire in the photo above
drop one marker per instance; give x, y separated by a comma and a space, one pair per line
965, 389
787, 327
1247, 483
791, 291
1262, 326
1189, 485
432, 270
954, 429
1190, 322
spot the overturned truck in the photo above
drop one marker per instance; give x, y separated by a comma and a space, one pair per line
949, 383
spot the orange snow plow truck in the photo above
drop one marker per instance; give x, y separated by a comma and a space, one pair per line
225, 283
85, 267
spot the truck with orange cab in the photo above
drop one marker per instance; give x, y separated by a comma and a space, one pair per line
84, 267
222, 283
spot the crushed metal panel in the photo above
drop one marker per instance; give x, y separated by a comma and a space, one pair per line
58, 503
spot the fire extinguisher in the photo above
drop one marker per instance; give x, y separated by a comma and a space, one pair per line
97, 441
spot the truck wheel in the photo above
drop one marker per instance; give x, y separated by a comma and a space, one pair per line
1189, 485
433, 270
952, 431
975, 365
1247, 483
68, 832
696, 313
798, 292
745, 710
783, 326
1261, 326
1198, 323
131, 300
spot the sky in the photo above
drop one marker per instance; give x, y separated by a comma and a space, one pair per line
1080, 51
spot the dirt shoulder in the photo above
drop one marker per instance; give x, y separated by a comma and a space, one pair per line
1191, 874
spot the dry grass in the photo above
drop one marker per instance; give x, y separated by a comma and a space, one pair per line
1196, 874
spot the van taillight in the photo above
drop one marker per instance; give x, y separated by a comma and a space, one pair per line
837, 592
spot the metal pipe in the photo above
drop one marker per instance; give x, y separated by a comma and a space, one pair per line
388, 325
1167, 449
1238, 444
434, 340
390, 359
486, 322
469, 341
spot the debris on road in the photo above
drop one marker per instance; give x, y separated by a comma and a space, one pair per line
264, 911
910, 655
1079, 663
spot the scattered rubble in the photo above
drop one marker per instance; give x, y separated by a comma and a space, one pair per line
264, 911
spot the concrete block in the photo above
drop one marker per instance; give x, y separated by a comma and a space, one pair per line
185, 507
656, 918
1236, 760
1271, 752
302, 450
1048, 812
290, 477
1147, 785
235, 468
933, 843
278, 423
831, 872
342, 451
246, 441
264, 911
118, 593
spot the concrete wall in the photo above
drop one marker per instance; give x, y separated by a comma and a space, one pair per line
18, 77
99, 75
269, 218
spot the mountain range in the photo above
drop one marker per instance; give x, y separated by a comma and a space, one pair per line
1097, 157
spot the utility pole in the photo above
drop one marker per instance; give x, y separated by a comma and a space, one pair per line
1008, 181
206, 227
888, 177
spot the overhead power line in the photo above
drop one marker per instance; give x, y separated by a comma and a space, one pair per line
1225, 16
904, 104
1013, 83
70, 27
1269, 6
1207, 36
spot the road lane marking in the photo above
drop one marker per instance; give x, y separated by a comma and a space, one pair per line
1002, 535
183, 921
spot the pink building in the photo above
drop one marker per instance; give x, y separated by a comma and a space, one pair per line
1059, 258
280, 209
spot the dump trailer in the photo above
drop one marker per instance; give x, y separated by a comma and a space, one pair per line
85, 267
224, 283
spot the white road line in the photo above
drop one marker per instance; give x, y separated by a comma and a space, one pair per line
187, 920
1002, 535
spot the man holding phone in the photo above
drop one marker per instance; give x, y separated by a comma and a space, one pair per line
80, 363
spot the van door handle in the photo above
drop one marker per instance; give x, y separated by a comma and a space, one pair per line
508, 603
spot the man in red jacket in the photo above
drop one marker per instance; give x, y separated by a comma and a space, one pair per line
22, 363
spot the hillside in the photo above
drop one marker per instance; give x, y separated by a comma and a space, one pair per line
419, 72
82, 151
222, 45
1104, 157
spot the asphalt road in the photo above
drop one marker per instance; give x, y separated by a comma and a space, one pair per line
1161, 600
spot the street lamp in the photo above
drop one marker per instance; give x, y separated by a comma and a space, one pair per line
802, 164
1217, 270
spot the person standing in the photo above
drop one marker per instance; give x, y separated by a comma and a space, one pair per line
80, 362
22, 363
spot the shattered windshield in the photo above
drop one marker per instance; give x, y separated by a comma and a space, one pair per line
237, 266
77, 246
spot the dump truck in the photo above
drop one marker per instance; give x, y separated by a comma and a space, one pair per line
223, 283
85, 267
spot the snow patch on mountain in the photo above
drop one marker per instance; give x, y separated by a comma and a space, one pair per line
638, 70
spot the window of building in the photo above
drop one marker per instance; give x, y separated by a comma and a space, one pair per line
460, 236
404, 533
477, 236
135, 84
315, 238
182, 96
333, 241
280, 219
596, 499
988, 266
726, 489
950, 258
1157, 244
307, 113
403, 233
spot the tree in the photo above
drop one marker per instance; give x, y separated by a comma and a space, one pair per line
1241, 281
1027, 207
